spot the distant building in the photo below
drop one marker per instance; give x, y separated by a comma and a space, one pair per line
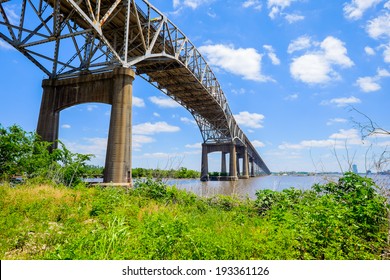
354, 169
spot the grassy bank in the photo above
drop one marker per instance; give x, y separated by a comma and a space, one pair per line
153, 221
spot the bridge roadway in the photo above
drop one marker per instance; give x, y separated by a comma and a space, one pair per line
67, 39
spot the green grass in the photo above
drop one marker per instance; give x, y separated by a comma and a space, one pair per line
158, 222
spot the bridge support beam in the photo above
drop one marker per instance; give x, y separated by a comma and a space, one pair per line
113, 88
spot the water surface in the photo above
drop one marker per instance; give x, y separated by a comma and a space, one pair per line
244, 188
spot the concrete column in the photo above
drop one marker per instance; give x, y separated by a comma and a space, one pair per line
48, 120
118, 156
223, 163
238, 165
204, 176
245, 164
252, 168
233, 161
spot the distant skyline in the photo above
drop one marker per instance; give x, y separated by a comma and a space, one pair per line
291, 70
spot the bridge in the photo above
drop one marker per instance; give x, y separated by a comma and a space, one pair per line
91, 51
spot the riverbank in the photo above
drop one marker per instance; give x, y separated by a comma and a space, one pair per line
154, 221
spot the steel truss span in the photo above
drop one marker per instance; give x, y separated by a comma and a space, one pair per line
67, 38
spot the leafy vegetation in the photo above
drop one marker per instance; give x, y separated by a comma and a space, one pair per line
344, 220
42, 218
181, 173
24, 154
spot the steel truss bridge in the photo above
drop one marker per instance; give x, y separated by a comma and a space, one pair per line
68, 38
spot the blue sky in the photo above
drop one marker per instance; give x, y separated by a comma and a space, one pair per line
290, 69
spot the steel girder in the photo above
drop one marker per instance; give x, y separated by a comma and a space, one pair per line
66, 38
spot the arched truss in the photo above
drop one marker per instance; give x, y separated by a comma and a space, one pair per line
66, 38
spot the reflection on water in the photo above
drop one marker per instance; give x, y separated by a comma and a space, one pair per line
244, 188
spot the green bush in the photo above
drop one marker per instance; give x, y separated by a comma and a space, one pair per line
343, 220
154, 221
23, 153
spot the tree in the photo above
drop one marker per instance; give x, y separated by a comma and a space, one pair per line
367, 128
23, 153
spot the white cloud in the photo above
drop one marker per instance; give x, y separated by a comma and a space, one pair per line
193, 4
139, 140
5, 46
317, 66
239, 91
153, 128
336, 140
369, 51
336, 120
164, 102
271, 54
90, 108
343, 101
157, 155
384, 144
307, 144
251, 120
280, 3
194, 146
383, 73
344, 134
211, 14
292, 18
257, 144
370, 84
138, 102
252, 3
356, 8
95, 146
387, 5
335, 52
277, 6
156, 114
386, 54
66, 126
379, 27
187, 120
302, 43
292, 97
242, 62
311, 69
12, 15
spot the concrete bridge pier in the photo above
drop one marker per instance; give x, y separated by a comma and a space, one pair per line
223, 163
113, 88
224, 148
242, 152
252, 167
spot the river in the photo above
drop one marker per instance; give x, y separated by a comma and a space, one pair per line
244, 188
